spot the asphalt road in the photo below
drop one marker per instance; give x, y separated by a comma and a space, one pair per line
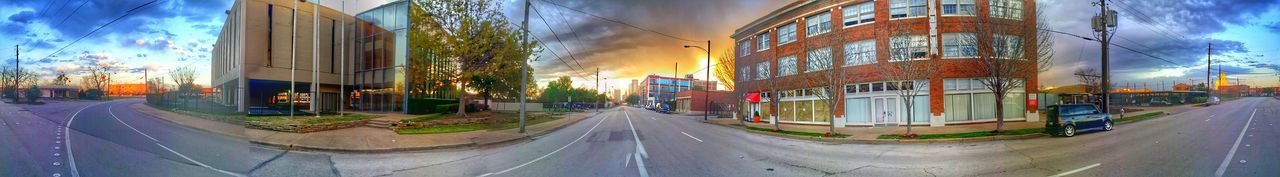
112, 139
109, 139
1193, 143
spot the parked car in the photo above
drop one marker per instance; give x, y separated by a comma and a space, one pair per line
1160, 102
1212, 101
1069, 119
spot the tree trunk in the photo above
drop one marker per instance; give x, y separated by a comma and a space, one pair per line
999, 112
910, 119
462, 100
773, 107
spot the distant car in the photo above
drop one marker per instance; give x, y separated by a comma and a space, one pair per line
1160, 101
1213, 101
1069, 119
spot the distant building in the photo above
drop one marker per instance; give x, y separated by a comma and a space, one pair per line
1181, 87
661, 89
696, 101
127, 89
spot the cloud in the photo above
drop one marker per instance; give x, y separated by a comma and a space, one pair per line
1274, 27
23, 17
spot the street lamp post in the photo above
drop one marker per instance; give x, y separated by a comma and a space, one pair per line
706, 99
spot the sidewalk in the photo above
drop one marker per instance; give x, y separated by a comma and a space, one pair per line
871, 134
363, 138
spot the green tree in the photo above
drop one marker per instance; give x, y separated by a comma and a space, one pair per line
474, 36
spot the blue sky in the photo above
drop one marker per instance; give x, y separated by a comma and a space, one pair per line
180, 33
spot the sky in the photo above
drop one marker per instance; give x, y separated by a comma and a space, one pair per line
180, 33
1244, 34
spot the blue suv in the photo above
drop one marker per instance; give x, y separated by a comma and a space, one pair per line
1068, 119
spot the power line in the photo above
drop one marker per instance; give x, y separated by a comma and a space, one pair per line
1114, 44
127, 13
620, 22
557, 35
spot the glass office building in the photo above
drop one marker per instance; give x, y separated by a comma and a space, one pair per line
391, 74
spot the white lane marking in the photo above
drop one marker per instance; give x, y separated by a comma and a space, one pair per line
651, 118
1206, 120
628, 162
157, 142
691, 136
1076, 170
71, 158
584, 134
1226, 162
639, 148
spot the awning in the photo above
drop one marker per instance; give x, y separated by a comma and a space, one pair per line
753, 97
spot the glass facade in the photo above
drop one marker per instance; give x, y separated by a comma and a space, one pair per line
389, 72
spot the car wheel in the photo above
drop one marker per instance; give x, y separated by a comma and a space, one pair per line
1108, 126
1069, 131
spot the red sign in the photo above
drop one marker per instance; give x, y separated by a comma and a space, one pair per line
753, 97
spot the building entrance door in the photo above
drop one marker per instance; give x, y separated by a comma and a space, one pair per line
885, 110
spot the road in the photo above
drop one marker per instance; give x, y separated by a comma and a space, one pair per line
110, 139
1193, 143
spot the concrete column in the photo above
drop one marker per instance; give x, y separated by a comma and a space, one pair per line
937, 120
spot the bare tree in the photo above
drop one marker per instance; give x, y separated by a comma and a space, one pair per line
907, 73
13, 78
1003, 57
184, 78
725, 68
1090, 78
827, 75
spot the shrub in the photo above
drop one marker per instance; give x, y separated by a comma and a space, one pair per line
33, 94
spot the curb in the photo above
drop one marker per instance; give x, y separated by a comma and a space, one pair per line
187, 126
889, 141
438, 147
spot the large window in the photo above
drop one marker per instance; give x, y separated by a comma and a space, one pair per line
744, 73
818, 24
860, 52
860, 13
908, 8
957, 7
908, 47
762, 70
787, 33
818, 59
1006, 46
744, 48
763, 40
1010, 9
787, 66
968, 100
958, 45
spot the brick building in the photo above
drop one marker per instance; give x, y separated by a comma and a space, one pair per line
779, 45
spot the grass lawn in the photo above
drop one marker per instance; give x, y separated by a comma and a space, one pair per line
502, 120
1140, 117
798, 133
425, 118
311, 120
967, 134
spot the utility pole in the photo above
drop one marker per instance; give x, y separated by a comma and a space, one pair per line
146, 84
597, 88
1208, 70
706, 95
293, 57
342, 83
315, 59
17, 71
675, 85
524, 65
1103, 24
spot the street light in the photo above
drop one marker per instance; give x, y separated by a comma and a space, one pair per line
706, 99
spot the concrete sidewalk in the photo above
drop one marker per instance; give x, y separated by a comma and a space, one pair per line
363, 138
871, 134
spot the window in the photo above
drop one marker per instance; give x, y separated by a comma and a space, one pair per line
764, 41
911, 47
744, 47
958, 45
745, 73
908, 8
818, 24
860, 13
957, 7
860, 52
1006, 46
787, 33
787, 65
762, 70
1010, 9
818, 59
